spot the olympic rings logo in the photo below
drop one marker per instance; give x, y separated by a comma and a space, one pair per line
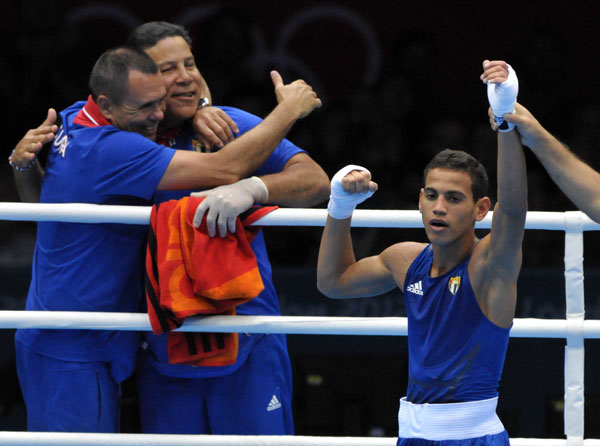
262, 56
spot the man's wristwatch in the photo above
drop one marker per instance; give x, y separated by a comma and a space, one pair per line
204, 102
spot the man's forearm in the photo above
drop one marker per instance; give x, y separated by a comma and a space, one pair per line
512, 174
579, 182
244, 155
247, 153
300, 184
335, 255
29, 183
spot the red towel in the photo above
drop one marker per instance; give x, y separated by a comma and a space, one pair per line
190, 273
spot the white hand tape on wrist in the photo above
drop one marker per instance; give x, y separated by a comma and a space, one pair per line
341, 203
502, 98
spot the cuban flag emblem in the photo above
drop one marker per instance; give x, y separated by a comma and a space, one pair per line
454, 284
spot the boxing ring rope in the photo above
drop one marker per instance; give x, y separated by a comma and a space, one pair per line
574, 328
85, 439
311, 325
94, 213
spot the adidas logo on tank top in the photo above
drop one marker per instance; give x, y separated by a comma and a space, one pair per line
415, 288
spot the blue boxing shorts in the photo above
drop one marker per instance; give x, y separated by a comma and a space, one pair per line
65, 396
256, 399
500, 439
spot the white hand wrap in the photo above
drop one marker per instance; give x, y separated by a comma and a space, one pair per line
502, 98
341, 203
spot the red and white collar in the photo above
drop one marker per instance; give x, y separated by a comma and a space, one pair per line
90, 115
167, 138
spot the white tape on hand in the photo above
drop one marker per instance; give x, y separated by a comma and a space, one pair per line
342, 203
502, 98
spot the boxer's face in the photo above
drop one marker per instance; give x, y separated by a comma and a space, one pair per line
446, 203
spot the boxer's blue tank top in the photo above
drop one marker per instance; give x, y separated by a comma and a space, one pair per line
455, 353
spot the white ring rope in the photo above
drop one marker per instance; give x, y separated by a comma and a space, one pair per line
310, 325
94, 213
573, 329
85, 439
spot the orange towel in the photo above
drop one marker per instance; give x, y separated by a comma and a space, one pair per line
190, 273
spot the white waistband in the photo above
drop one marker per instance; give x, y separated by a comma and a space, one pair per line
452, 421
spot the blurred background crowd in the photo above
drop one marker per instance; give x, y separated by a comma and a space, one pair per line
399, 82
